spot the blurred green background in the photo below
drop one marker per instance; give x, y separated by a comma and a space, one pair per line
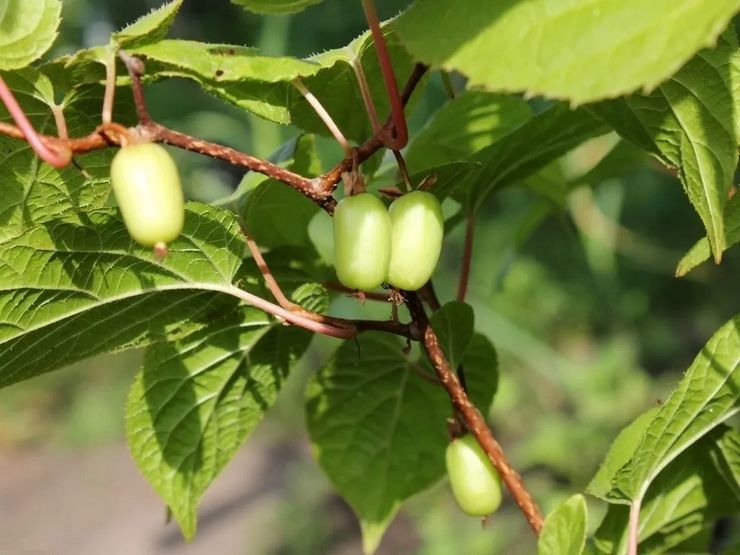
590, 324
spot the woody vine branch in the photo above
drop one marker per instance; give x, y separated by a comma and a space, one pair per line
319, 190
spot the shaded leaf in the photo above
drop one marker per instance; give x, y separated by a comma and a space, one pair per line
465, 125
276, 214
528, 148
454, 325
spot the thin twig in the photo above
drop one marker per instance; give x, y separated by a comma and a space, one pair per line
272, 283
324, 116
56, 155
462, 288
110, 86
60, 121
397, 136
368, 295
472, 418
403, 169
633, 535
135, 69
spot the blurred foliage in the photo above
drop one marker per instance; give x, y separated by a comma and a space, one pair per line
590, 323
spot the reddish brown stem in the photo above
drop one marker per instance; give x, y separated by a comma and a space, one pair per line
135, 69
467, 257
270, 280
472, 418
397, 136
56, 155
328, 181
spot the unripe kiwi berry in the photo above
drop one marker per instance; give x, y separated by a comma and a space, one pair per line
416, 239
475, 482
146, 184
362, 231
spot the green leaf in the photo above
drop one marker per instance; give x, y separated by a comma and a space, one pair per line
148, 28
582, 50
528, 148
701, 251
708, 394
34, 192
263, 84
27, 30
196, 400
465, 125
564, 532
78, 286
620, 452
222, 63
691, 123
275, 6
454, 325
685, 499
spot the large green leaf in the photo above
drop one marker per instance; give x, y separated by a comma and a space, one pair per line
581, 50
379, 428
702, 251
691, 122
275, 6
564, 532
685, 499
34, 192
77, 286
530, 147
463, 126
197, 399
27, 30
708, 394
